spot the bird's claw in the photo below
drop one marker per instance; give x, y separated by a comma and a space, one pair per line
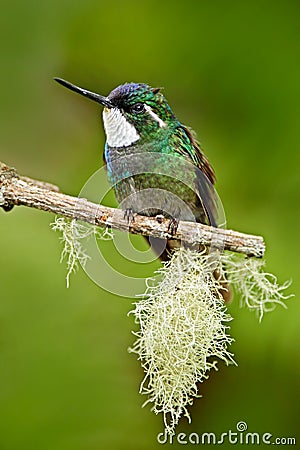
173, 225
129, 215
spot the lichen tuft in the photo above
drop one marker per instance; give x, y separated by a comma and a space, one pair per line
183, 333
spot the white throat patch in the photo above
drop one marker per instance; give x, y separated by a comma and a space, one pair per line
119, 132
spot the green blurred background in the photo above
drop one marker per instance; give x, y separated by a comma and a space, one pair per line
231, 70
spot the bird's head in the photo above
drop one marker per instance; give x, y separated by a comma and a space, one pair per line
132, 112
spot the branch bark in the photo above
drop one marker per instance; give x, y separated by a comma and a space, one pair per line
19, 190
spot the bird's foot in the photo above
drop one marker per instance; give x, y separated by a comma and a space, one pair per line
173, 225
129, 215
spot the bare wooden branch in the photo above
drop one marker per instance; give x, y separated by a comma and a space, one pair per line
19, 190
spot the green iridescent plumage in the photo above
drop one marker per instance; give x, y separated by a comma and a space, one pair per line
166, 157
153, 161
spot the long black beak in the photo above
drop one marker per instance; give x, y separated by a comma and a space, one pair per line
92, 95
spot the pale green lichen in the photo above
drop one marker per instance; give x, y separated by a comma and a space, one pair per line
182, 317
184, 324
183, 333
73, 234
259, 290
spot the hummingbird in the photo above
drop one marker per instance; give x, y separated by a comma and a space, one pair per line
155, 163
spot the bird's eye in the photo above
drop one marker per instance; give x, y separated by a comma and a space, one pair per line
137, 108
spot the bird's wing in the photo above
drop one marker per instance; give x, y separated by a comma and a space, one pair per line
185, 144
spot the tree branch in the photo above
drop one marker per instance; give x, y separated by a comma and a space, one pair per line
20, 190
